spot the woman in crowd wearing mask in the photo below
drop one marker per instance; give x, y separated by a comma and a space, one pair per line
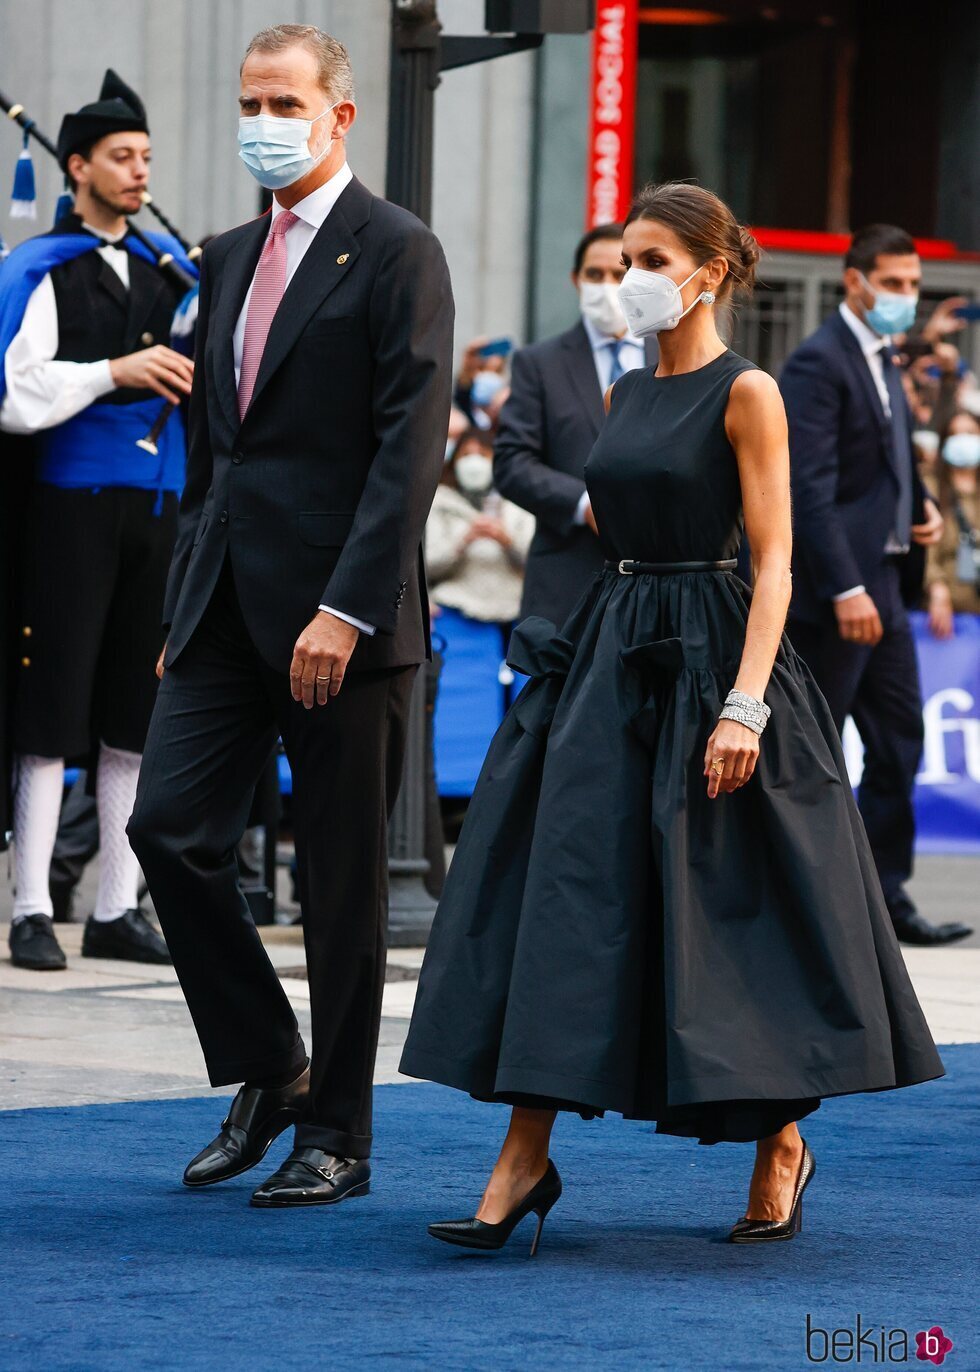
475, 549
639, 915
481, 384
953, 569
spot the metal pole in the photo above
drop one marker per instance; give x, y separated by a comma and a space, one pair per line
414, 77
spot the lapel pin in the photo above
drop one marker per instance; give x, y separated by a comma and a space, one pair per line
342, 258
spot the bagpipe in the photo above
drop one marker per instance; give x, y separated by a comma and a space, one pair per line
23, 206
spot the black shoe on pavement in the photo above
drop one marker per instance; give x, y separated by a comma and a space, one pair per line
309, 1176
130, 938
915, 928
33, 945
257, 1117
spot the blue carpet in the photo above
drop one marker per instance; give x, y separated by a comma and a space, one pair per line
107, 1263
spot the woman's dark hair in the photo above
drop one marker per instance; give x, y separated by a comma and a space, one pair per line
869, 243
596, 235
472, 435
706, 227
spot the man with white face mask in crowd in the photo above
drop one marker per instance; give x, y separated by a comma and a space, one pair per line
551, 420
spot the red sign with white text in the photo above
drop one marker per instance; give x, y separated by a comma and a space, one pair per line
612, 120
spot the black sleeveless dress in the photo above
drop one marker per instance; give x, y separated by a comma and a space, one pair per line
611, 939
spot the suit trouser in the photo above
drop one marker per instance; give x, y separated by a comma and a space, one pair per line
879, 687
219, 712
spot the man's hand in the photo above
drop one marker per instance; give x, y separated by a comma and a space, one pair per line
157, 369
320, 659
858, 620
932, 530
940, 610
943, 321
163, 654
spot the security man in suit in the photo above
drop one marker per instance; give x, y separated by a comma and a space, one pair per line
551, 420
859, 507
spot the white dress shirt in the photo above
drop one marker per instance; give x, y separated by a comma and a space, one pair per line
311, 212
40, 391
632, 356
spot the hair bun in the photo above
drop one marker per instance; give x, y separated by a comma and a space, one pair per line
750, 252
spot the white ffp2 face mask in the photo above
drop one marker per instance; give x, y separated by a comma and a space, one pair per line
652, 301
599, 303
474, 472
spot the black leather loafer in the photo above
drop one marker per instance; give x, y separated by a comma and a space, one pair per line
915, 929
256, 1119
130, 938
309, 1176
34, 945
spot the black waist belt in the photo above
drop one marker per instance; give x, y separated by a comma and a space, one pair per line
628, 567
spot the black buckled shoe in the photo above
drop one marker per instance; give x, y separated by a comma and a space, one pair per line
34, 945
309, 1176
256, 1119
765, 1231
129, 938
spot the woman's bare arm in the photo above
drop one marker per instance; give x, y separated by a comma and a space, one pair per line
755, 422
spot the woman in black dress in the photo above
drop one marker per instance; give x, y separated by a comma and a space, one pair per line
655, 907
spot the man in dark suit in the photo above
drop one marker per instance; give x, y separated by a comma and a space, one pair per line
551, 420
859, 507
297, 607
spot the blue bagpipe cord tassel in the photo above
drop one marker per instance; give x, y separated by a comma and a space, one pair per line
23, 204
66, 203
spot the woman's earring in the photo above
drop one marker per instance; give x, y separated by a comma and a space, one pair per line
708, 297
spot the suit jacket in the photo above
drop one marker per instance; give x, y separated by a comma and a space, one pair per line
843, 470
547, 428
321, 493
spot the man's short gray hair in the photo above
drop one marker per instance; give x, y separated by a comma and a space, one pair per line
334, 71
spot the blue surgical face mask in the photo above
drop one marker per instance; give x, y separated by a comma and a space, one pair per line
277, 151
962, 450
891, 312
484, 387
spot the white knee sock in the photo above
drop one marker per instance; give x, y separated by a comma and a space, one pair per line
115, 794
37, 806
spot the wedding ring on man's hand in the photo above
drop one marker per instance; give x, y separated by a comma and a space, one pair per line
323, 678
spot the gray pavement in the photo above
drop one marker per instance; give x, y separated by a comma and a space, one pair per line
109, 1031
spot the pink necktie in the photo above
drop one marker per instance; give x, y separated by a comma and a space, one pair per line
268, 288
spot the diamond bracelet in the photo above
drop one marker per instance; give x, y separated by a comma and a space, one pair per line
744, 709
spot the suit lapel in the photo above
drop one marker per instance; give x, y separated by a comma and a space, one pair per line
144, 292
109, 281
580, 365
237, 271
865, 379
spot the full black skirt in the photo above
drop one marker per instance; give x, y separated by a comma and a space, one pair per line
611, 939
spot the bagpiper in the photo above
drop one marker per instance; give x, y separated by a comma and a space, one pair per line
85, 324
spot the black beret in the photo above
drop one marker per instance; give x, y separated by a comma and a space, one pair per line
117, 110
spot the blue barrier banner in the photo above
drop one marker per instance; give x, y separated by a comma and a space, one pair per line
947, 789
947, 792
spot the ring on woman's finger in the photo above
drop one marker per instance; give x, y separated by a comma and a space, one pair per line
718, 765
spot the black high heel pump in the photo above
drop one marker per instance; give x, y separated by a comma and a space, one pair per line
762, 1231
474, 1233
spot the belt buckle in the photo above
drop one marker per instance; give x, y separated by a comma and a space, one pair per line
622, 566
